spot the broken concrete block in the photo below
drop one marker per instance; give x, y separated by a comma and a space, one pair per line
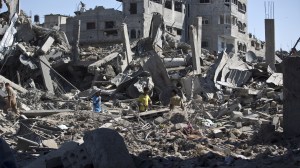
208, 115
246, 129
179, 126
47, 45
107, 125
238, 125
106, 148
236, 115
50, 143
178, 117
159, 120
235, 106
247, 111
276, 121
218, 133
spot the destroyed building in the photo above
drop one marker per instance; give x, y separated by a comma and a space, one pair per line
98, 25
224, 24
138, 15
237, 110
56, 21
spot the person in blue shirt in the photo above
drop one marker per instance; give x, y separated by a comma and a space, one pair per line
97, 102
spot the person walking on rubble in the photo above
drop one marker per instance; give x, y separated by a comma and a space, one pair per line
11, 100
144, 100
175, 100
97, 102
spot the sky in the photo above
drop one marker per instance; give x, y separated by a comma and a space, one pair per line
287, 14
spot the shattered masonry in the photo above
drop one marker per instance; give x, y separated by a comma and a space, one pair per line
240, 110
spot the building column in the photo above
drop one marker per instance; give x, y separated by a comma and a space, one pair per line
270, 43
126, 43
195, 40
76, 40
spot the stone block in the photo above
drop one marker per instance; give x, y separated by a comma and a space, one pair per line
180, 126
50, 143
247, 111
217, 133
238, 125
236, 115
159, 120
178, 117
106, 148
47, 45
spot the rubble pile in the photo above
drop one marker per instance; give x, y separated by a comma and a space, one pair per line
233, 115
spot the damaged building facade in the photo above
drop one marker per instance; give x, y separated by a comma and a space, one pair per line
56, 21
224, 25
98, 25
138, 15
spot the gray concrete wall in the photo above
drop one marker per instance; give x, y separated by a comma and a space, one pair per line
291, 92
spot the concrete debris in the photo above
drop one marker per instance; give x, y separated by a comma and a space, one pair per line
237, 109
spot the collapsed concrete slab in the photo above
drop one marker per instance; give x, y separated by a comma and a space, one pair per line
106, 148
159, 75
15, 86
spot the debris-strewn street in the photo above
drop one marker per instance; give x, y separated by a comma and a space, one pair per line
235, 107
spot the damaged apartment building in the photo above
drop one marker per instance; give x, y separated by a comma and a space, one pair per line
98, 25
224, 23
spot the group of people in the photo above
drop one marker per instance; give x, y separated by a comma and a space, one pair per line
144, 101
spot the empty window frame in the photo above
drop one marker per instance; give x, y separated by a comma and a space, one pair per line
221, 19
156, 1
90, 25
109, 25
133, 34
111, 33
168, 4
169, 29
179, 32
178, 6
204, 1
204, 44
205, 21
133, 8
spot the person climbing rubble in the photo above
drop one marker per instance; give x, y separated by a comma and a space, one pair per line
11, 100
144, 100
97, 102
175, 100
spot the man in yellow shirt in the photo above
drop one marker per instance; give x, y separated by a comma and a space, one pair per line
144, 100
